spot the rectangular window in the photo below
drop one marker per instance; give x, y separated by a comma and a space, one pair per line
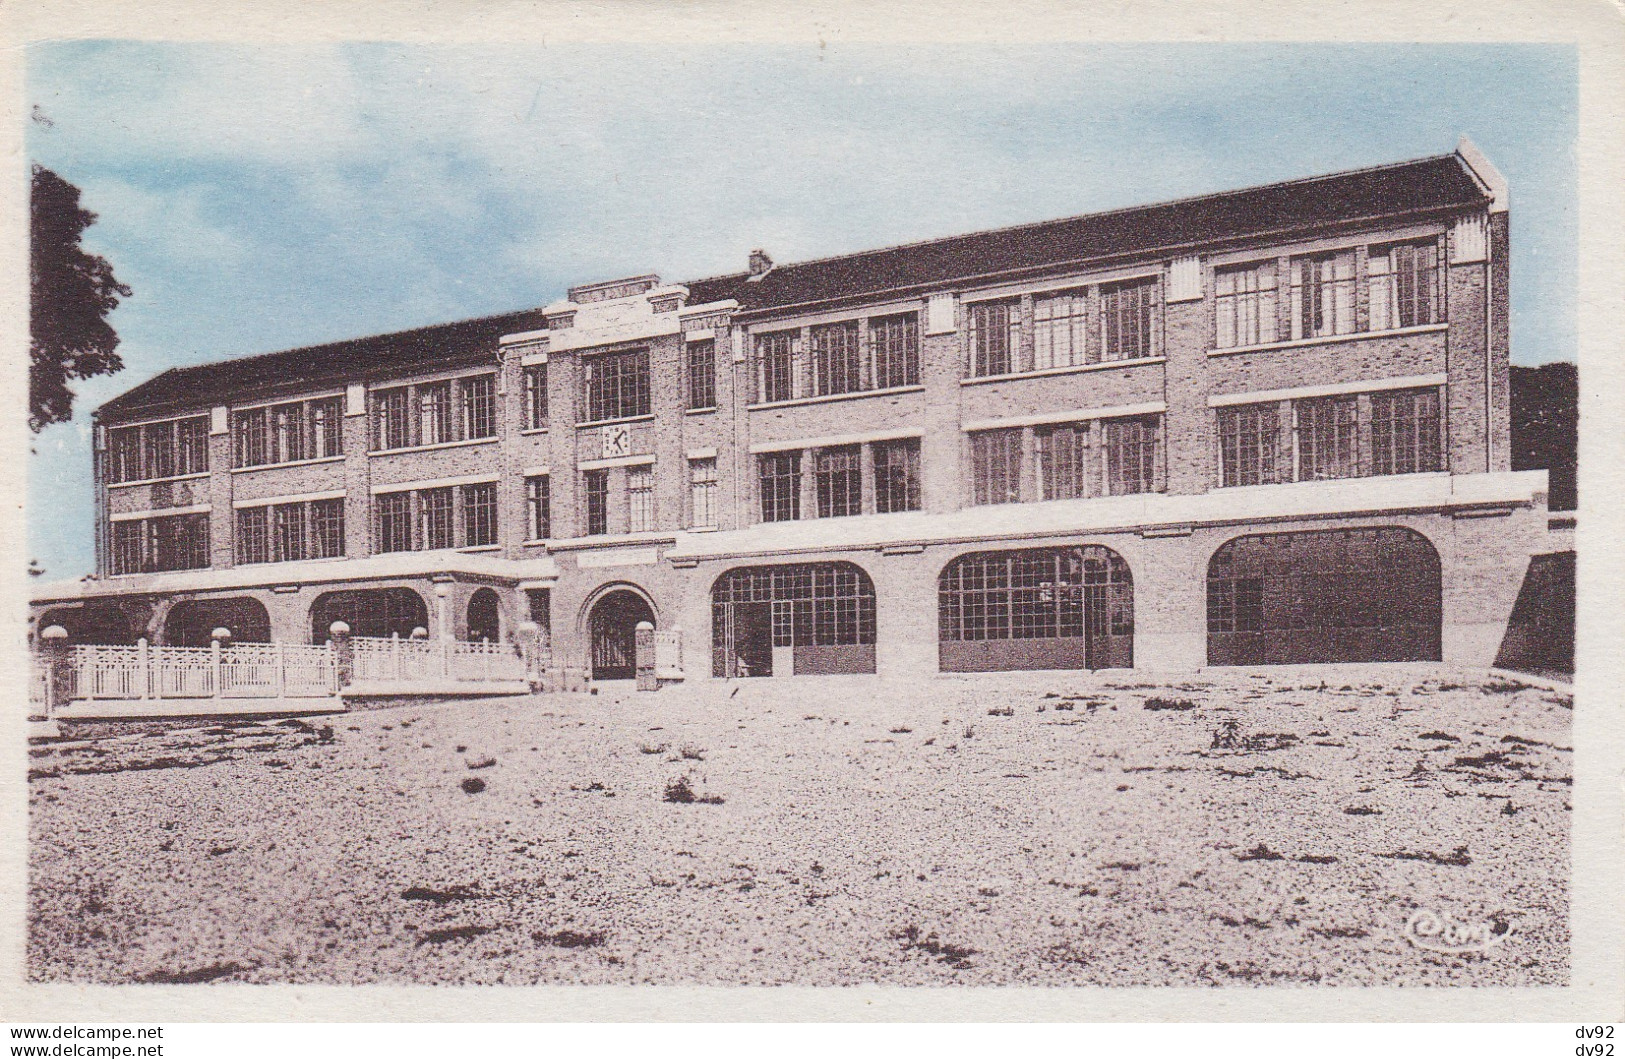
1130, 449
1126, 319
1405, 432
434, 414
835, 358
616, 385
193, 452
392, 418
1248, 443
179, 542
1244, 306
287, 532
128, 547
327, 428
1328, 438
251, 437
780, 476
326, 528
1323, 295
539, 507
160, 440
1060, 455
702, 492
477, 397
838, 481
596, 486
479, 514
1404, 285
536, 397
124, 454
897, 475
995, 466
995, 335
436, 522
776, 361
394, 521
1060, 323
254, 535
287, 433
701, 374
894, 343
640, 499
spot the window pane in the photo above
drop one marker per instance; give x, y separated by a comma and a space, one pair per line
436, 528
1405, 432
394, 521
617, 385
392, 423
994, 336
702, 479
897, 475
479, 514
596, 486
780, 475
1328, 438
835, 358
124, 454
327, 528
640, 499
1126, 319
536, 397
160, 450
1244, 306
996, 466
327, 427
251, 437
1248, 444
776, 363
539, 503
479, 406
1060, 322
1323, 295
253, 535
434, 417
1059, 453
702, 374
894, 342
1130, 455
838, 480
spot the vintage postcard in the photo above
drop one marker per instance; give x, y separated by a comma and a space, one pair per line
662, 501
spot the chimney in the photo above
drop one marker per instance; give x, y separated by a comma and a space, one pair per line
760, 264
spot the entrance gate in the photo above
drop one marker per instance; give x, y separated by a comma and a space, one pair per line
612, 629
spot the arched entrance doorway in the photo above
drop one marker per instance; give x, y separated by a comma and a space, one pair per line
1348, 595
1037, 608
798, 618
612, 627
484, 616
190, 621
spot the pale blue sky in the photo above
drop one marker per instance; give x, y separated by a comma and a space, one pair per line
259, 198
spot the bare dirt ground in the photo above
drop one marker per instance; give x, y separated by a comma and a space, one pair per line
1049, 829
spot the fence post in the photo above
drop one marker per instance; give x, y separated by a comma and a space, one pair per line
528, 636
395, 653
281, 671
343, 649
144, 668
214, 664
644, 657
55, 655
218, 639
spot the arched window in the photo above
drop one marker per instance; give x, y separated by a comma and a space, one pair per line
369, 612
1036, 608
795, 618
1347, 595
484, 616
190, 621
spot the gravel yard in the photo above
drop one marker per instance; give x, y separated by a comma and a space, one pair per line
1039, 829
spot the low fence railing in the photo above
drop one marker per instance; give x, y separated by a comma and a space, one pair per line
146, 671
396, 660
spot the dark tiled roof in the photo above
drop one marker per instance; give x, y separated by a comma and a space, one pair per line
295, 370
1419, 187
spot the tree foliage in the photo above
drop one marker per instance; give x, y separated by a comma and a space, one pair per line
1546, 427
71, 294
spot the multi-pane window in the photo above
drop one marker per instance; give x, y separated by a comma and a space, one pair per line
897, 475
158, 450
616, 385
1404, 285
776, 362
253, 536
838, 481
286, 433
1323, 295
477, 406
1059, 455
1249, 439
780, 486
1405, 431
539, 507
1035, 594
167, 542
894, 344
1328, 430
1127, 319
835, 361
702, 492
994, 335
640, 499
595, 484
810, 604
479, 514
535, 410
1060, 326
436, 525
434, 413
394, 514
995, 466
326, 528
288, 531
702, 374
1244, 305
1129, 448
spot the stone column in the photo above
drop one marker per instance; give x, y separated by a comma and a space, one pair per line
343, 652
645, 657
54, 656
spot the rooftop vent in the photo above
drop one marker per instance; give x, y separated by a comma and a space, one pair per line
760, 263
